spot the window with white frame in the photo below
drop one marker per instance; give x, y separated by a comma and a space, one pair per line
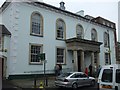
93, 35
79, 31
36, 24
106, 37
60, 28
60, 55
107, 58
35, 50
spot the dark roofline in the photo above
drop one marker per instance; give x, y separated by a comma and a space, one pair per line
4, 5
4, 30
51, 6
105, 19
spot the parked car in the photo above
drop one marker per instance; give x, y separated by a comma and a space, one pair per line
74, 80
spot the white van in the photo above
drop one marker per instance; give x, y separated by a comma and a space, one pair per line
109, 77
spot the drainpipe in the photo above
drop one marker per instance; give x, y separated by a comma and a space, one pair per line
115, 37
109, 47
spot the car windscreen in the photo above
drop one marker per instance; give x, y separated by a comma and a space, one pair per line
117, 75
64, 74
107, 75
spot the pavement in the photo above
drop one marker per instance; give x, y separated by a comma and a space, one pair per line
29, 83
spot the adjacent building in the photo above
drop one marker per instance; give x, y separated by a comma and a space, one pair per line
73, 40
118, 44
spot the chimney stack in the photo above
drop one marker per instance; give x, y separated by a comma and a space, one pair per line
81, 13
62, 5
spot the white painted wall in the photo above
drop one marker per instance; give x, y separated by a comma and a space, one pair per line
17, 19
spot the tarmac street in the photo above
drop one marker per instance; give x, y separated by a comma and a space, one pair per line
28, 84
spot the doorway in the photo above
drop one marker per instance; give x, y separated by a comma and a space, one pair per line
79, 61
4, 67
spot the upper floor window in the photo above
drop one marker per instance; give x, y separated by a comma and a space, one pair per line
60, 29
93, 35
36, 24
79, 31
106, 41
35, 49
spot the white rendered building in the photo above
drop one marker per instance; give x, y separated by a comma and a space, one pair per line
73, 40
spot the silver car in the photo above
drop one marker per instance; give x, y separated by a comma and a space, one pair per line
74, 80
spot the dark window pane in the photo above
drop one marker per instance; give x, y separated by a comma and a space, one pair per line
118, 76
107, 75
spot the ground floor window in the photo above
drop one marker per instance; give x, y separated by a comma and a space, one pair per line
95, 57
60, 55
107, 58
35, 50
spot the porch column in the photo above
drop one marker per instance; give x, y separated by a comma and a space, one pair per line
92, 62
82, 61
75, 60
98, 60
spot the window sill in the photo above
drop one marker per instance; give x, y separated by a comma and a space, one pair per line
60, 39
35, 63
61, 63
36, 35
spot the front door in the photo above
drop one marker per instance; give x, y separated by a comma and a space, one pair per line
79, 61
4, 67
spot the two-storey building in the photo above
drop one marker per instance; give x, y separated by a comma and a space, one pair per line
73, 40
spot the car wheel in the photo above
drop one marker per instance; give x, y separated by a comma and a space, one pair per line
74, 85
92, 83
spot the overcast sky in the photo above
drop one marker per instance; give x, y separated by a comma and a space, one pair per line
105, 8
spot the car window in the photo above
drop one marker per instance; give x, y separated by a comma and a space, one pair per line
83, 75
75, 76
107, 75
64, 74
118, 76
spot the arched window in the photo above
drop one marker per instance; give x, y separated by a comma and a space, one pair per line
79, 31
106, 37
36, 24
93, 35
60, 29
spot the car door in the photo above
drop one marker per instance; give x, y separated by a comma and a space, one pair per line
85, 79
77, 79
117, 87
